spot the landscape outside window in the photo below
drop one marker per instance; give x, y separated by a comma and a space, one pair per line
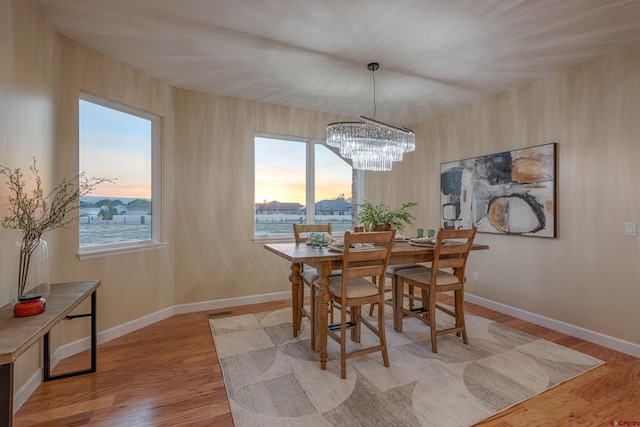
115, 144
293, 174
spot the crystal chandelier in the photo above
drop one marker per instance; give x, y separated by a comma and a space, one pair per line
370, 144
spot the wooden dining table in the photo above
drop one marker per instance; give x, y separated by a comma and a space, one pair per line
324, 260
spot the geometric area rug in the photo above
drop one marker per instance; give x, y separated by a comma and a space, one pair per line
274, 379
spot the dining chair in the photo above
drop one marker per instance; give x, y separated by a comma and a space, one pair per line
365, 256
391, 273
301, 233
451, 251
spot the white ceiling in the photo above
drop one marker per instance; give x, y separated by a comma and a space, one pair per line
435, 55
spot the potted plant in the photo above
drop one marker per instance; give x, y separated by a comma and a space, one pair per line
371, 216
34, 213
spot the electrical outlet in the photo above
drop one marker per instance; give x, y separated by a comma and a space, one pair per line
475, 276
629, 228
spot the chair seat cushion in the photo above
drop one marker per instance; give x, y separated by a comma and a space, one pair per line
393, 269
312, 275
423, 275
356, 288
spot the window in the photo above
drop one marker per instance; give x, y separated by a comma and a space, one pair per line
122, 143
293, 174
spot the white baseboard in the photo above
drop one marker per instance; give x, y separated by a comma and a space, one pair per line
21, 396
75, 347
83, 344
566, 328
231, 302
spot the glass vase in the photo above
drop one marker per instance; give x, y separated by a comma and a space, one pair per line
29, 270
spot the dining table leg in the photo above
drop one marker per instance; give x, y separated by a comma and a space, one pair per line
398, 300
296, 283
323, 297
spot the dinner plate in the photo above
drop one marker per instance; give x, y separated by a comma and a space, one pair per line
429, 242
340, 248
423, 241
426, 245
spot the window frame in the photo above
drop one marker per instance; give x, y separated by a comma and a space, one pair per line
357, 187
157, 240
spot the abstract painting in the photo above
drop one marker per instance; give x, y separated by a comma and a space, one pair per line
513, 192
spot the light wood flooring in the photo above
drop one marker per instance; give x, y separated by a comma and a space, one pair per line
167, 374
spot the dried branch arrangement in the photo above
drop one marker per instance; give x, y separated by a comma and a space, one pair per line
36, 212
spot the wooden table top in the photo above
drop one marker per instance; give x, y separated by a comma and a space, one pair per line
17, 334
401, 252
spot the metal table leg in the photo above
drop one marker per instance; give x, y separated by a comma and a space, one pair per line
47, 355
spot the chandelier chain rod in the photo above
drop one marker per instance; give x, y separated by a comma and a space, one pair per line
375, 107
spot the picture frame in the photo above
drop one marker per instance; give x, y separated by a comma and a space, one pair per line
512, 192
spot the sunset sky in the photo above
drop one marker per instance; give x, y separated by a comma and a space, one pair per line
115, 145
280, 172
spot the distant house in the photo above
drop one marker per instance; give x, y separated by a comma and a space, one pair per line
139, 208
333, 207
323, 207
143, 204
276, 207
122, 209
89, 212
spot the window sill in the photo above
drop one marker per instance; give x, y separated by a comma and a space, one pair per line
105, 251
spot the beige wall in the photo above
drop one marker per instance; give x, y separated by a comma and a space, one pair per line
41, 75
28, 73
127, 280
215, 255
590, 275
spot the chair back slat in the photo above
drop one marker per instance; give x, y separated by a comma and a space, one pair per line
367, 271
451, 262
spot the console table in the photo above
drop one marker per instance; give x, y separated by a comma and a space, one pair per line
17, 334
